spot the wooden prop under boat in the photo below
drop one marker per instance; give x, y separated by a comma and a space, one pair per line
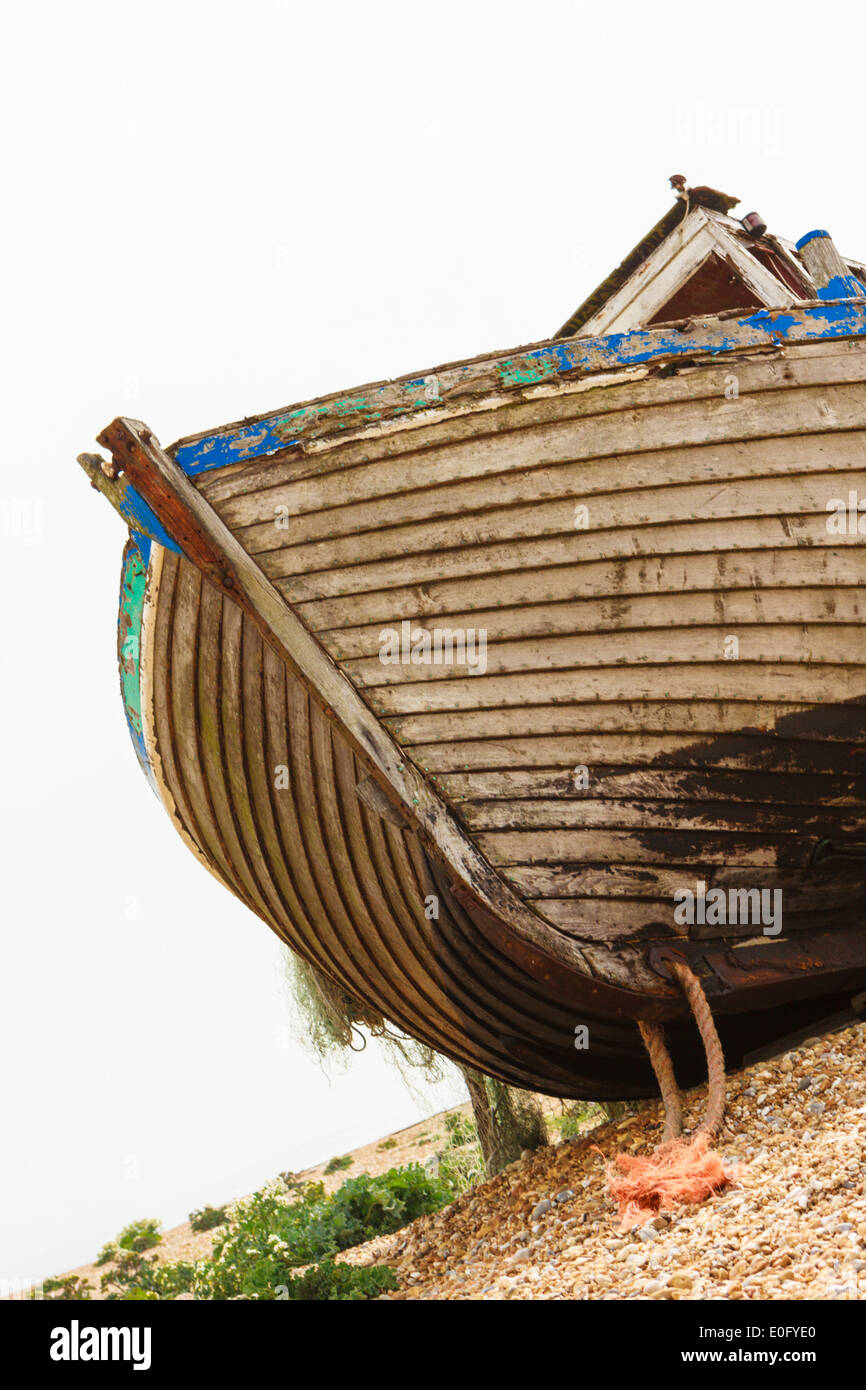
463, 682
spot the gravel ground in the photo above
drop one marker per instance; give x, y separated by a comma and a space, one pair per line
791, 1226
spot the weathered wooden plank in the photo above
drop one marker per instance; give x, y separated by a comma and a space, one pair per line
217, 701
531, 558
619, 814
155, 664
694, 717
615, 510
842, 644
804, 365
632, 429
767, 754
658, 784
504, 847
730, 610
612, 921
610, 581
634, 921
802, 888
184, 731
368, 791
748, 680
286, 516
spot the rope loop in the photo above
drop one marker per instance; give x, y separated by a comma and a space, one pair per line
660, 1059
679, 1170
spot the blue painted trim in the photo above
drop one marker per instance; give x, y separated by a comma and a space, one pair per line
144, 544
142, 520
582, 356
810, 236
842, 287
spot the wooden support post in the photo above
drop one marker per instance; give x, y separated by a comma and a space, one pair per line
826, 267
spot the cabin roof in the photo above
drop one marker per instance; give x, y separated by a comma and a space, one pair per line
695, 261
626, 268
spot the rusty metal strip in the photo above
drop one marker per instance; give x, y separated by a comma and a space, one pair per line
769, 972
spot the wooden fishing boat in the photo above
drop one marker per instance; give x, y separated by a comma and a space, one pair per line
463, 682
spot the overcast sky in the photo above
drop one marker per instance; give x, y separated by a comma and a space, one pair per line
213, 211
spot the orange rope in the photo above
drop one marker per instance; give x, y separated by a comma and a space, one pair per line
678, 1171
694, 992
654, 1042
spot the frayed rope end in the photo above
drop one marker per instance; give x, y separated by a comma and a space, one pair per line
681, 1171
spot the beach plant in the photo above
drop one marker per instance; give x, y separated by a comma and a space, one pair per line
460, 1160
66, 1286
340, 1283
460, 1129
137, 1236
273, 1234
132, 1274
268, 1236
207, 1217
337, 1165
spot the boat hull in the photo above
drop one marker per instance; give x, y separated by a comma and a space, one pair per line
263, 787
673, 699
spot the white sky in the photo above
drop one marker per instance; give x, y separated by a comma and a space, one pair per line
216, 210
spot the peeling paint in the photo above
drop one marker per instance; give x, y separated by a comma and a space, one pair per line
560, 358
127, 502
143, 521
133, 587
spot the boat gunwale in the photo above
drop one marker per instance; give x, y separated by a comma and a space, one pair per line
547, 363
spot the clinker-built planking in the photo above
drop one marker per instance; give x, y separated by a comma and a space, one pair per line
673, 688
